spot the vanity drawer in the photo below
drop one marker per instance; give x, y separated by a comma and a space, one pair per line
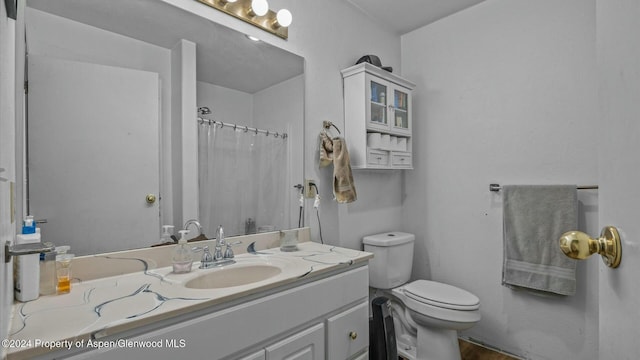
348, 332
377, 157
401, 160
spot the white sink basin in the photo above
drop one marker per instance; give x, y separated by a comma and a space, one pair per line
234, 276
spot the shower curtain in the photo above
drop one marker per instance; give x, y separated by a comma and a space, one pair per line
243, 177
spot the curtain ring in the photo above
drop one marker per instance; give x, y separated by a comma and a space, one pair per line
235, 127
246, 128
277, 135
256, 129
267, 132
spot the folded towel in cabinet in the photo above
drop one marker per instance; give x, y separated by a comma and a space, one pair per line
534, 218
334, 150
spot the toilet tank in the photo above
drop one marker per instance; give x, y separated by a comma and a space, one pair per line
392, 258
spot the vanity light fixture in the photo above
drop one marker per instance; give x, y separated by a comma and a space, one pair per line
259, 8
283, 18
257, 13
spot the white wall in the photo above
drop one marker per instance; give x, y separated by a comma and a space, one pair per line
329, 46
228, 105
506, 93
7, 161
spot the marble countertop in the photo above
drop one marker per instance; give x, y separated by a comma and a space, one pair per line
107, 306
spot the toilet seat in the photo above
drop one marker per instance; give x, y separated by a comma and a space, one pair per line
441, 295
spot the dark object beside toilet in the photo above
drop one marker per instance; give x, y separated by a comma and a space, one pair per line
382, 336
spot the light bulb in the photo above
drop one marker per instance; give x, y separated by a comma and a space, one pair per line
284, 17
259, 7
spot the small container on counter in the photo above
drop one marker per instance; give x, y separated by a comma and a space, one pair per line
63, 272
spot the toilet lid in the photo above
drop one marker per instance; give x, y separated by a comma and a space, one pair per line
441, 295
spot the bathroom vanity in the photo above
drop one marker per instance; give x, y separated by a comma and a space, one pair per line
311, 304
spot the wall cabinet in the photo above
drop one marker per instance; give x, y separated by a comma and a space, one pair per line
377, 115
323, 319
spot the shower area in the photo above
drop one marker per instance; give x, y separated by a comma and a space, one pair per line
250, 152
242, 175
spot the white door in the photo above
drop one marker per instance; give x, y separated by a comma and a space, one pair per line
93, 154
619, 168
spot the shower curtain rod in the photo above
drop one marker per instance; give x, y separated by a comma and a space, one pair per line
497, 187
202, 120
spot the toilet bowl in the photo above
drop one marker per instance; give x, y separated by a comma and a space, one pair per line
429, 314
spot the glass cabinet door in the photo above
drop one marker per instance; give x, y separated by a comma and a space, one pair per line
400, 119
378, 104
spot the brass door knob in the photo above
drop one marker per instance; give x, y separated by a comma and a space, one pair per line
150, 198
578, 245
353, 335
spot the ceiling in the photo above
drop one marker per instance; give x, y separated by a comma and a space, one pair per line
403, 16
224, 56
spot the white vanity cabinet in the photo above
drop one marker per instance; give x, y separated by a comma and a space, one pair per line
305, 345
378, 120
327, 318
260, 355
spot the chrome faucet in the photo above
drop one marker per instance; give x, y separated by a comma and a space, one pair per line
193, 222
219, 258
207, 259
217, 254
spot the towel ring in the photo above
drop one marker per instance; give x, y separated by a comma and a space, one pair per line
328, 124
578, 245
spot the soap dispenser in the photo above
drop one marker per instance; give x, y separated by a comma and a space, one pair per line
182, 255
27, 267
165, 237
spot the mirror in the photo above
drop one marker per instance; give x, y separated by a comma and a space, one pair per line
107, 134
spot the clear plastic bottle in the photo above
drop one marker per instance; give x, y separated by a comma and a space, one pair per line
63, 271
165, 237
48, 277
182, 255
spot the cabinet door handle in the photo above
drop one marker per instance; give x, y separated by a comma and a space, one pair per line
353, 335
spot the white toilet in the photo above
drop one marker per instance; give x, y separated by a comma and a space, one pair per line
427, 314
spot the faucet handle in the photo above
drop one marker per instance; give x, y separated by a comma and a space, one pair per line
207, 259
228, 253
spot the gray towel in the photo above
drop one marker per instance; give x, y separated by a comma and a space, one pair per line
535, 216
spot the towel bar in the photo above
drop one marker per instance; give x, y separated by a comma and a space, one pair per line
497, 187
